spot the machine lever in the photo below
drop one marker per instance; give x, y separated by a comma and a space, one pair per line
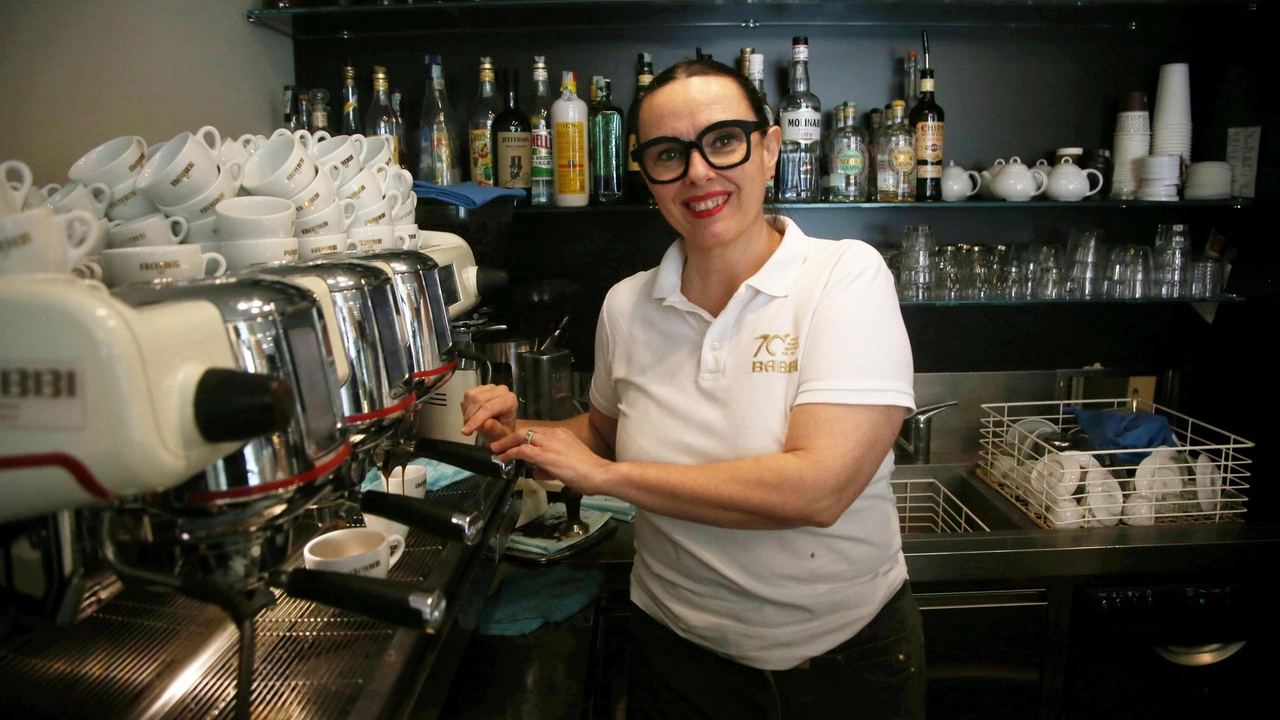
426, 515
391, 601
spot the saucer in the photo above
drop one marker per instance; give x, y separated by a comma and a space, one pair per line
1018, 438
1208, 483
1102, 496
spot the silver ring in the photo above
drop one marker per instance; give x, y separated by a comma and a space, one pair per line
528, 437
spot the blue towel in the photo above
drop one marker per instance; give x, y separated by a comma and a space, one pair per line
439, 475
1113, 430
619, 509
467, 194
554, 515
530, 598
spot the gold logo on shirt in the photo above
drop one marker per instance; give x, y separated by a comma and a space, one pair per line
782, 346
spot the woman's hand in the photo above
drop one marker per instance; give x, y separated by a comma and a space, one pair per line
490, 409
559, 455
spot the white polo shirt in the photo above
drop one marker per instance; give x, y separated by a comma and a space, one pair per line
819, 323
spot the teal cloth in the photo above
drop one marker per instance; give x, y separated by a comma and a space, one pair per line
619, 509
439, 475
466, 194
554, 515
528, 599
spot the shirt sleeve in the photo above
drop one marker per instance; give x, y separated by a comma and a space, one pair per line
857, 351
604, 394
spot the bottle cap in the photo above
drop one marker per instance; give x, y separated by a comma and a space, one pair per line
434, 60
899, 103
755, 64
539, 60
911, 54
379, 72
348, 73
645, 57
800, 40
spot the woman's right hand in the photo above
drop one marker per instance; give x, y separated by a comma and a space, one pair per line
490, 409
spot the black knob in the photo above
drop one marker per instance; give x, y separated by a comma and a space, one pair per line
426, 515
472, 458
232, 405
399, 603
491, 281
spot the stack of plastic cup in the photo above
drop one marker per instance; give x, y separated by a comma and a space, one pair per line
1161, 176
1171, 123
1208, 181
1132, 143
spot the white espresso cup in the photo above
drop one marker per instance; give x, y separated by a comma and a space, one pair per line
38, 241
346, 150
129, 204
203, 232
304, 136
159, 262
184, 168
406, 212
241, 254
15, 182
377, 237
411, 233
335, 218
410, 480
401, 181
314, 247
367, 188
93, 199
318, 195
111, 163
354, 551
149, 231
255, 218
377, 152
205, 206
379, 214
281, 168
238, 149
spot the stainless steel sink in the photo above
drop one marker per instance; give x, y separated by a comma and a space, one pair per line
948, 498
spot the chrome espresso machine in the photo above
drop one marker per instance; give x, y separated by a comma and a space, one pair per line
168, 449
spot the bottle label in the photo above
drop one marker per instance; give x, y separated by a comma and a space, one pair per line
486, 74
320, 119
571, 158
438, 83
903, 158
643, 80
441, 156
802, 126
540, 74
394, 141
926, 84
481, 157
514, 159
929, 142
799, 52
541, 155
852, 162
632, 165
929, 171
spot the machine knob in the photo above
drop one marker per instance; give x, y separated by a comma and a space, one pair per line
232, 405
491, 281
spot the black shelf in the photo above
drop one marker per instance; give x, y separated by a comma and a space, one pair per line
1034, 204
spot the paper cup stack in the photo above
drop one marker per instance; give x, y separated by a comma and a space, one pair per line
1171, 123
1161, 176
1132, 143
1208, 181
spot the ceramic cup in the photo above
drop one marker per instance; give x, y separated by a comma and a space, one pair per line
314, 247
149, 231
281, 168
205, 206
129, 204
377, 152
335, 218
255, 218
15, 182
111, 163
304, 136
203, 232
318, 195
93, 199
377, 237
241, 254
159, 262
346, 150
406, 212
354, 551
410, 232
410, 480
238, 150
379, 214
367, 188
184, 168
99, 237
38, 241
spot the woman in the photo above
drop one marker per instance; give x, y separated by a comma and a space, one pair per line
746, 397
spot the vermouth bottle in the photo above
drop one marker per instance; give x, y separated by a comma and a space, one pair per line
543, 170
896, 157
480, 129
849, 159
637, 189
800, 115
438, 159
607, 145
927, 123
512, 141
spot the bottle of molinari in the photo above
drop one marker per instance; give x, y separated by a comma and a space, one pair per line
927, 123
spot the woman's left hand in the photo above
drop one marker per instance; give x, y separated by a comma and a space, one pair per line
559, 455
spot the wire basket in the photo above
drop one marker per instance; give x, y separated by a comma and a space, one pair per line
925, 506
1036, 454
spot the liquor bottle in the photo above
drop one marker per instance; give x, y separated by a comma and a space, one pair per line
595, 93
304, 111
911, 80
800, 115
606, 147
438, 151
826, 176
398, 124
896, 158
875, 121
744, 61
755, 73
480, 128
290, 117
512, 141
569, 120
350, 102
849, 159
380, 120
543, 164
927, 123
319, 120
637, 188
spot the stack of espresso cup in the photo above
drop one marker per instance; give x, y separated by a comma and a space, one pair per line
46, 237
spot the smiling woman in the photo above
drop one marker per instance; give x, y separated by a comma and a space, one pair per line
746, 396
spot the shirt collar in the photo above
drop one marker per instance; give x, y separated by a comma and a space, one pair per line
776, 277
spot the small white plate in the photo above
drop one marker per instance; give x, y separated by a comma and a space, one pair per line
1208, 483
1103, 499
1018, 440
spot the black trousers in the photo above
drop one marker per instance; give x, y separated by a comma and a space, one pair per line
876, 674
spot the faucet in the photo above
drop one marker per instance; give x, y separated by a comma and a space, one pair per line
912, 445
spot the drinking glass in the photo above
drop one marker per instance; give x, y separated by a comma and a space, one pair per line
948, 261
1086, 259
978, 277
1044, 270
916, 268
1128, 272
1172, 261
1206, 277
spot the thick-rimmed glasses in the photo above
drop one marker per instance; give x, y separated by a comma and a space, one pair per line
723, 145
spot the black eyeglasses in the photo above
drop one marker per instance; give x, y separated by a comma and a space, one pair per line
725, 144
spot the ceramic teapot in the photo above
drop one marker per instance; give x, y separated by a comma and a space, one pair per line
958, 184
1068, 182
988, 177
1018, 183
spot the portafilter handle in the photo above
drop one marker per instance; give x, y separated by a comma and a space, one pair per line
478, 459
391, 601
426, 515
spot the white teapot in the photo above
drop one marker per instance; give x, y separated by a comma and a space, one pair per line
989, 177
958, 184
1018, 183
1068, 182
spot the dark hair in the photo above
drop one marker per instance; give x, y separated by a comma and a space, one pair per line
704, 67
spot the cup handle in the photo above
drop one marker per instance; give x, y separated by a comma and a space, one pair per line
216, 257
402, 241
1099, 187
113, 224
178, 227
396, 198
977, 181
87, 270
384, 176
1043, 180
207, 132
358, 140
401, 180
50, 190
280, 131
320, 137
304, 138
235, 169
248, 143
23, 183
352, 245
100, 196
333, 168
397, 549
77, 225
349, 210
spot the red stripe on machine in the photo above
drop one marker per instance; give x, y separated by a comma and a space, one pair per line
83, 477
252, 490
437, 371
398, 407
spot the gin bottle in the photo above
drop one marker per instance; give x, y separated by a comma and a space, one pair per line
607, 145
896, 157
849, 159
800, 115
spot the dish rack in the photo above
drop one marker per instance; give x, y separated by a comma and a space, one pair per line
925, 506
1201, 480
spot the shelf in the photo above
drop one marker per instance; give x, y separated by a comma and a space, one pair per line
1234, 203
1076, 303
